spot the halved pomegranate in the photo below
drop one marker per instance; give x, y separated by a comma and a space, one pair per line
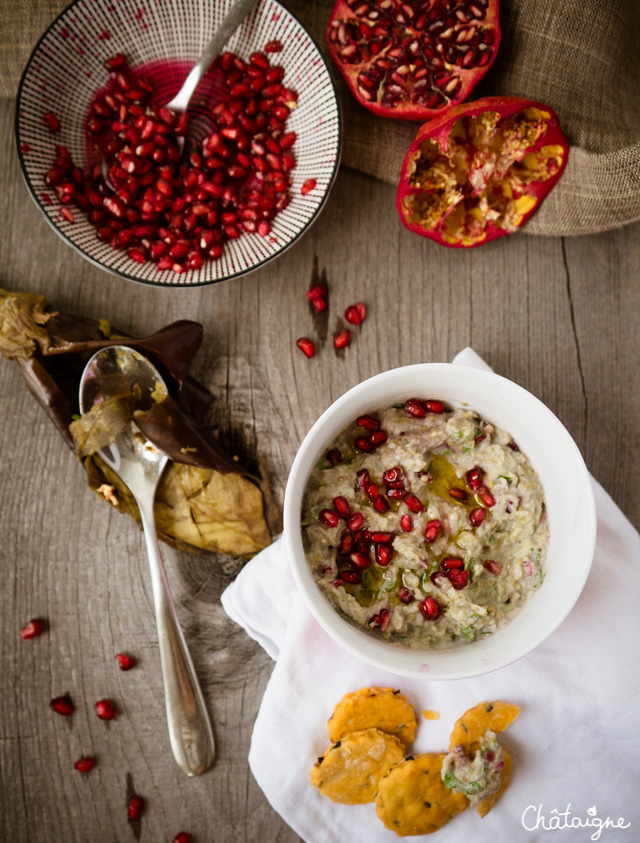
413, 58
481, 171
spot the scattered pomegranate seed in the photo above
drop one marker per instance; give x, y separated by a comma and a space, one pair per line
430, 608
342, 338
438, 575
329, 517
492, 567
372, 491
355, 522
106, 710
434, 407
485, 496
135, 808
363, 478
273, 47
459, 579
377, 438
63, 705
334, 456
85, 764
51, 122
414, 503
319, 305
360, 560
457, 494
308, 186
355, 313
380, 620
405, 596
476, 517
382, 538
351, 577
406, 523
346, 543
392, 475
125, 662
368, 422
415, 408
32, 629
475, 477
432, 530
362, 444
381, 504
452, 563
383, 554
306, 346
342, 507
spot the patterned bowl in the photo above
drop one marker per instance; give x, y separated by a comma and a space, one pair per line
66, 69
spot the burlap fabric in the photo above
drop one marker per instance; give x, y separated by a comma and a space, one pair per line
582, 57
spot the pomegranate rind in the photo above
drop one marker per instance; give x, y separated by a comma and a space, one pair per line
551, 143
450, 80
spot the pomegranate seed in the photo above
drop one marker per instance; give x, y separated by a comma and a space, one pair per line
342, 339
485, 496
85, 764
406, 523
306, 346
342, 507
116, 62
432, 530
414, 503
513, 446
381, 504
452, 563
368, 422
183, 837
355, 522
363, 478
125, 662
51, 122
351, 577
492, 567
415, 408
479, 438
355, 313
383, 554
371, 491
328, 517
362, 444
32, 629
377, 438
273, 47
308, 186
334, 456
405, 596
430, 608
434, 407
438, 575
346, 543
489, 755
392, 475
382, 538
135, 808
457, 494
319, 305
459, 579
63, 705
475, 477
476, 517
106, 710
360, 560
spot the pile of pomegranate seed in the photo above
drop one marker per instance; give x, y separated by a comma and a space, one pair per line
179, 213
318, 295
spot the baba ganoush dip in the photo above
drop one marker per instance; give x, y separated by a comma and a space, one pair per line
425, 525
478, 777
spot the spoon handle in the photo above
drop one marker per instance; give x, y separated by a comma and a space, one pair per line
190, 731
231, 21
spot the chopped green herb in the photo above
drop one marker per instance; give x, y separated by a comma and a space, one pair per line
467, 788
492, 539
391, 586
539, 576
75, 416
460, 434
322, 465
508, 479
398, 406
466, 450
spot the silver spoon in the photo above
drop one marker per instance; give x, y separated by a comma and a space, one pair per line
231, 21
139, 464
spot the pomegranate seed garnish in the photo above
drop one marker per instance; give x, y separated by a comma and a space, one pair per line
334, 456
414, 503
459, 579
371, 491
351, 577
430, 608
434, 407
183, 837
106, 710
362, 444
355, 313
329, 517
397, 493
476, 517
308, 186
306, 346
380, 620
381, 504
415, 408
342, 338
355, 522
406, 523
405, 596
489, 755
436, 575
125, 662
452, 563
485, 496
368, 422
135, 808
382, 538
457, 494
492, 567
432, 530
363, 478
346, 543
63, 705
475, 477
383, 554
392, 475
85, 764
360, 560
480, 438
342, 507
513, 446
51, 122
377, 438
32, 629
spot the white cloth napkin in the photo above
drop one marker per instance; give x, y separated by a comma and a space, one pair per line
575, 744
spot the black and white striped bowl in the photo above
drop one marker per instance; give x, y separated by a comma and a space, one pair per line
66, 69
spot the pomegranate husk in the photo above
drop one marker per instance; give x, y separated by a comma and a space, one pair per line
433, 201
413, 66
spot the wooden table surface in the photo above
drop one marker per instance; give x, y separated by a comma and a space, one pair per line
559, 316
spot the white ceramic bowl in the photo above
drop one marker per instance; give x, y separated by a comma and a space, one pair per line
568, 495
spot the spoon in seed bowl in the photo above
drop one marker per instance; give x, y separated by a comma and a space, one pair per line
179, 104
119, 371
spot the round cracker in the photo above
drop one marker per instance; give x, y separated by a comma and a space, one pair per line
505, 777
350, 770
413, 799
385, 709
470, 728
